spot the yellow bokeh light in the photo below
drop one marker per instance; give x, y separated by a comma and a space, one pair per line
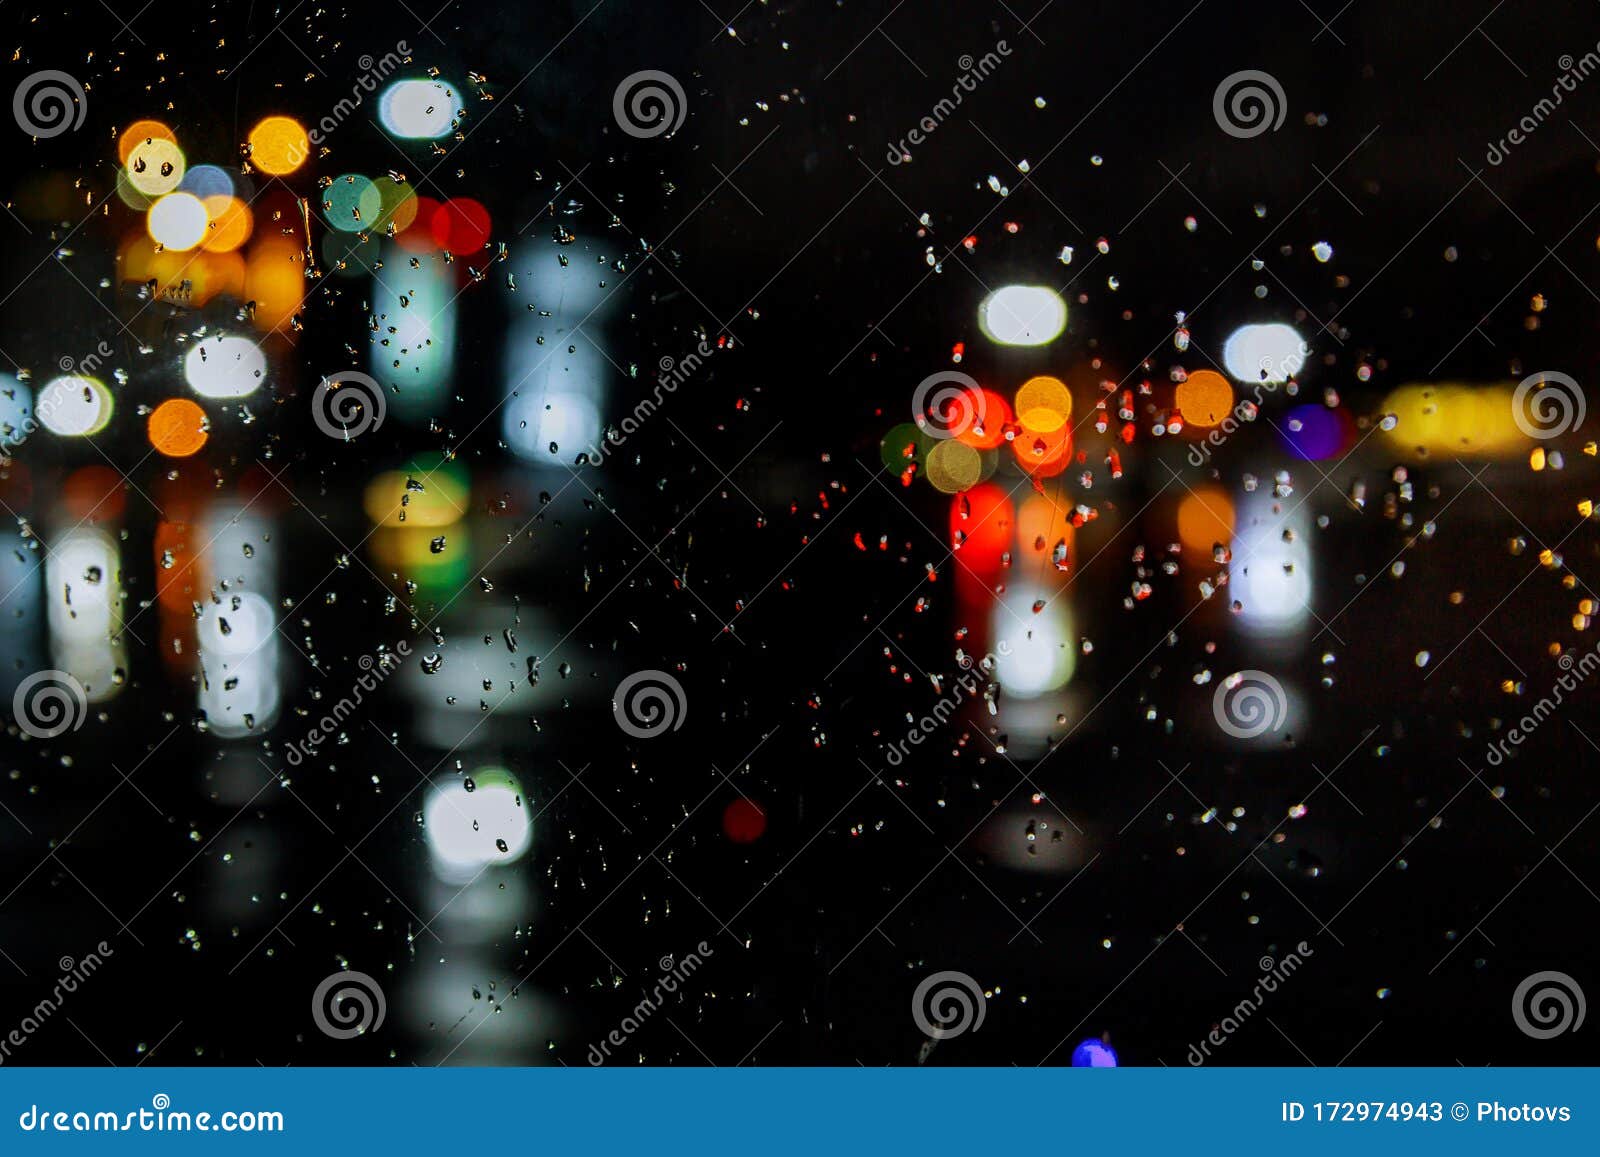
1456, 418
279, 145
156, 166
954, 466
441, 502
177, 221
1044, 404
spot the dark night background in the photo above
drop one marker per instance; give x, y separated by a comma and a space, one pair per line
787, 233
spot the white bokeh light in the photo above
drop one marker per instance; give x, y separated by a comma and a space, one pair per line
74, 407
1264, 353
1035, 652
466, 829
1023, 315
419, 109
225, 367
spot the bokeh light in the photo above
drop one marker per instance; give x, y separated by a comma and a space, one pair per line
1264, 353
1204, 398
74, 406
156, 166
1023, 315
177, 221
1205, 519
140, 132
177, 428
470, 828
279, 145
352, 203
419, 109
227, 366
460, 226
230, 223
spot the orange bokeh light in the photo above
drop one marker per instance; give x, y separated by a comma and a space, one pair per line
230, 223
1205, 519
178, 428
138, 133
1204, 398
989, 431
